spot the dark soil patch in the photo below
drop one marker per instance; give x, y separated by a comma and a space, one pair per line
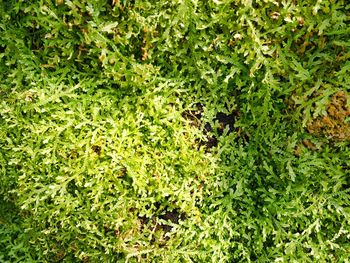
153, 224
224, 121
194, 116
173, 216
97, 149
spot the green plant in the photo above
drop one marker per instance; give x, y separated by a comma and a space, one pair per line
174, 131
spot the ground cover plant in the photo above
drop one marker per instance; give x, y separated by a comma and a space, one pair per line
174, 131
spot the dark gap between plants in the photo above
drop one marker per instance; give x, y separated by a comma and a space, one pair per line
224, 121
173, 216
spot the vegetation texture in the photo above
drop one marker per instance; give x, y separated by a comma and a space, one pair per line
174, 131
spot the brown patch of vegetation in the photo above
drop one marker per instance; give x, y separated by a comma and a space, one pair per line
333, 125
309, 145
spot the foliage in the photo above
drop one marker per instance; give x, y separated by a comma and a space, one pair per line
174, 131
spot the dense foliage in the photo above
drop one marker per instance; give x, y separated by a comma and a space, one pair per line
174, 131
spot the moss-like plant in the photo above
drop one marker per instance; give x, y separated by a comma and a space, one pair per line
174, 131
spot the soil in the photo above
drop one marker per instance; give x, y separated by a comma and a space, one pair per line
153, 224
174, 216
224, 120
97, 149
